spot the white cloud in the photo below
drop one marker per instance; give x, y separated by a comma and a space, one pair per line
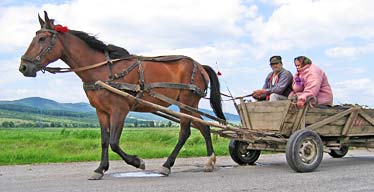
350, 51
235, 33
147, 25
353, 91
17, 27
307, 23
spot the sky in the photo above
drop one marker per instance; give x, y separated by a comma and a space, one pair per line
236, 37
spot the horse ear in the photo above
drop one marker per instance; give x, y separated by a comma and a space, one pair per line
41, 21
47, 21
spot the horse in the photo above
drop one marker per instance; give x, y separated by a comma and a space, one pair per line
176, 77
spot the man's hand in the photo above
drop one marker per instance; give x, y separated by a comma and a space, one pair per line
258, 93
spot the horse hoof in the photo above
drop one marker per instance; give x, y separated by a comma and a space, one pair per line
208, 168
165, 171
142, 165
96, 176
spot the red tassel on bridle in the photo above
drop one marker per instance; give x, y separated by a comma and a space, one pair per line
218, 72
60, 28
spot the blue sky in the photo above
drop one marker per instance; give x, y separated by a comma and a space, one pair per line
240, 35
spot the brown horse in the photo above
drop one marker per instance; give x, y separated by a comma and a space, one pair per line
177, 77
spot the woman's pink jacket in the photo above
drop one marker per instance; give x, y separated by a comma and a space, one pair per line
313, 83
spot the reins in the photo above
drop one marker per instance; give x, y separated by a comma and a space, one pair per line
55, 70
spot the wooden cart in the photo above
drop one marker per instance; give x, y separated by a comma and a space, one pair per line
280, 126
302, 134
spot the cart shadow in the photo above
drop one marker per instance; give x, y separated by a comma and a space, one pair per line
346, 161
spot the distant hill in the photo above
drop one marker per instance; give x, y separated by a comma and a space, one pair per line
47, 104
38, 109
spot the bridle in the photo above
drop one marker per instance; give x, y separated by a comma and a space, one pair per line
39, 67
36, 61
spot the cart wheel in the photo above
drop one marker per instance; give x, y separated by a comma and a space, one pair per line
304, 151
339, 153
241, 155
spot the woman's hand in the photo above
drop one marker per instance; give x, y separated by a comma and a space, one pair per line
300, 103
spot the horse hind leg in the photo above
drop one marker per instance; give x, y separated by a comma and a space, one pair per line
184, 134
205, 131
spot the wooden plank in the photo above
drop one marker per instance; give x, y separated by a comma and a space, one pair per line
262, 121
246, 116
329, 130
267, 107
266, 115
308, 121
300, 119
330, 119
370, 112
367, 117
241, 115
290, 119
328, 111
315, 117
349, 122
285, 112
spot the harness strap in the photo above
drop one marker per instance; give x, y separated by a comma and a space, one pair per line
66, 70
110, 63
120, 86
147, 87
194, 88
193, 72
126, 71
141, 74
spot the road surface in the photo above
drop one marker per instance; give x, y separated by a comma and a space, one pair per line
355, 172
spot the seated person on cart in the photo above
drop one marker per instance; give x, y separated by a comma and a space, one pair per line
278, 83
310, 80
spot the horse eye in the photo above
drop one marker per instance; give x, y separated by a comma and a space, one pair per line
42, 39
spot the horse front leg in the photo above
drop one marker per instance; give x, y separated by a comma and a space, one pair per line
116, 125
104, 163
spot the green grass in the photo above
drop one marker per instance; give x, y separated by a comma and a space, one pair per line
31, 145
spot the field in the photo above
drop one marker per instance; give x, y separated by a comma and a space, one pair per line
44, 145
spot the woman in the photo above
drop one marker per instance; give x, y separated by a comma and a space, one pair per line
310, 80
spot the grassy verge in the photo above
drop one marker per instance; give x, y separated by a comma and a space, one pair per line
24, 146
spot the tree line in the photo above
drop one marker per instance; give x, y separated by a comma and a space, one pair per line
12, 124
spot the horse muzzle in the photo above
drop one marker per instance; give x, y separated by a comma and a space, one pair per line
28, 70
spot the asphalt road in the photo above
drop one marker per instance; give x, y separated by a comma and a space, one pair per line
355, 172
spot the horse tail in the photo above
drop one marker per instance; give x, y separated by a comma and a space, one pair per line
215, 93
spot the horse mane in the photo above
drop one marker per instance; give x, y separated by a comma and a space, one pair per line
114, 51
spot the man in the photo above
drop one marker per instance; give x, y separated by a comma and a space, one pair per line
278, 84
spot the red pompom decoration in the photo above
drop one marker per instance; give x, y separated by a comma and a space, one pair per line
60, 28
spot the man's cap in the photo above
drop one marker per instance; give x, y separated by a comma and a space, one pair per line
275, 59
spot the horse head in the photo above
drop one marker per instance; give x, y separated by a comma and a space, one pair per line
43, 49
